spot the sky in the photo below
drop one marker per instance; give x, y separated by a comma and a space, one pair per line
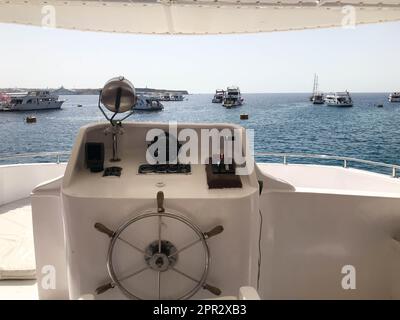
363, 59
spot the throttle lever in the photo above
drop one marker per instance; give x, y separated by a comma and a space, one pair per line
160, 201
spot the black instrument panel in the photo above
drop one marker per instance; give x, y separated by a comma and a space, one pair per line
164, 168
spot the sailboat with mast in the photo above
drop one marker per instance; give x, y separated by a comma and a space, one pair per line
317, 96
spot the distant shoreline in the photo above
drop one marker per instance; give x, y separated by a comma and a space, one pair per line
65, 92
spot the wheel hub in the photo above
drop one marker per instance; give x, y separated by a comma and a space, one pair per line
161, 260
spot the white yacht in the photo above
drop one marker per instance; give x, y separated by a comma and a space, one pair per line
232, 97
32, 100
108, 224
218, 96
145, 103
394, 97
339, 99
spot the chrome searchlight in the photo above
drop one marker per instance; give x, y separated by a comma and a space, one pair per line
118, 96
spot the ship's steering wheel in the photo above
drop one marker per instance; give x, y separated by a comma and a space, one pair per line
160, 255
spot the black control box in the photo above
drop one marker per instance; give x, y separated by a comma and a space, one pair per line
94, 156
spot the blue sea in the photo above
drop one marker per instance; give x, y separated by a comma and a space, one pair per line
282, 123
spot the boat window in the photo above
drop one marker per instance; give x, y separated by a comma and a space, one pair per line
16, 101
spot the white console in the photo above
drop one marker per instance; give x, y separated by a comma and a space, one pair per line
90, 197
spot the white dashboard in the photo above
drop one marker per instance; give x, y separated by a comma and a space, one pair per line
80, 181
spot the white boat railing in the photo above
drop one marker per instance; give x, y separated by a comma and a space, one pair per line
285, 156
56, 154
345, 160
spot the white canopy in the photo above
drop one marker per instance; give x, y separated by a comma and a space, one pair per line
196, 16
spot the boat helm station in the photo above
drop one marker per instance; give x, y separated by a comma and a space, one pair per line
142, 224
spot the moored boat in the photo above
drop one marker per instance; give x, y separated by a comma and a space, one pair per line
317, 97
232, 97
218, 96
32, 100
339, 99
148, 104
394, 97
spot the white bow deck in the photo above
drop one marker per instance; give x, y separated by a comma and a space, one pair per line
333, 179
17, 258
17, 251
16, 223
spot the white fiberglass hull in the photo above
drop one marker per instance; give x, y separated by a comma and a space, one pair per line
394, 99
146, 104
318, 101
148, 108
228, 105
31, 107
333, 104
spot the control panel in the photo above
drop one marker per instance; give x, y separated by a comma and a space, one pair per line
147, 160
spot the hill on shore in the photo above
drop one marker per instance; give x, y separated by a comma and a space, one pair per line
89, 91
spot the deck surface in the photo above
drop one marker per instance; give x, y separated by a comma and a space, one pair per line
17, 258
333, 179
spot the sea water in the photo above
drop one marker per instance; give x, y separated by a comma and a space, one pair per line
281, 122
